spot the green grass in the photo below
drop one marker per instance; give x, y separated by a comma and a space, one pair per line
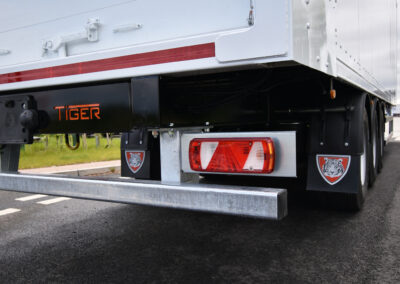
57, 154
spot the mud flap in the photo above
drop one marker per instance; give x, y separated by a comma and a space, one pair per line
332, 179
335, 145
140, 155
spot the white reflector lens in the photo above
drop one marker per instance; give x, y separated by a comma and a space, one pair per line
255, 160
206, 153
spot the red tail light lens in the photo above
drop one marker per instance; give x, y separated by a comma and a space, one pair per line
232, 155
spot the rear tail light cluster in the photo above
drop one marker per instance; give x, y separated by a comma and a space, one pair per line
232, 155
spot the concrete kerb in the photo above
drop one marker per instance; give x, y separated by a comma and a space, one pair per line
87, 169
92, 172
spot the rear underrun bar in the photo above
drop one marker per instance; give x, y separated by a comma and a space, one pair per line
267, 203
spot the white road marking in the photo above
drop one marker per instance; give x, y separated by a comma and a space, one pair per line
9, 211
53, 200
31, 197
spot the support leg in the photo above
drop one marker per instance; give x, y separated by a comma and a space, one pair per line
9, 158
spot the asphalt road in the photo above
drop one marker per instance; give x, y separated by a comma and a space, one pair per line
95, 242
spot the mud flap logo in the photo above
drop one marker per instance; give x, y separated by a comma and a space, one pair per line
135, 160
333, 168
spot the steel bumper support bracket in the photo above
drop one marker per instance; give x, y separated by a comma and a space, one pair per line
264, 203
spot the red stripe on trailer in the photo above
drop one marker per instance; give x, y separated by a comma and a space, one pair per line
185, 53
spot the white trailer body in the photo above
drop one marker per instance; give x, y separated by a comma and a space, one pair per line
313, 80
354, 40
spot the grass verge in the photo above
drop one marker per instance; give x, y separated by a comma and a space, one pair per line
55, 152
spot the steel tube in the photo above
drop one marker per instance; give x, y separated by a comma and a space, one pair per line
268, 203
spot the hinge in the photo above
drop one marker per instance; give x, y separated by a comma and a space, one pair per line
91, 33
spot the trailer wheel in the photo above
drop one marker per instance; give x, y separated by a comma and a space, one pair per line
357, 200
374, 146
381, 138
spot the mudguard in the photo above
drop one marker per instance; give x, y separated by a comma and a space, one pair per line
335, 145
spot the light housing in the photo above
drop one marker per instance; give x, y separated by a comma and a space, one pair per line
232, 155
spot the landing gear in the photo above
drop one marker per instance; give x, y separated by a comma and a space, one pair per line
9, 157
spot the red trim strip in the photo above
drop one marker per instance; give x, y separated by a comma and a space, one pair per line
135, 60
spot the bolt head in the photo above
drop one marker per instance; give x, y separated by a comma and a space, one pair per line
321, 143
154, 133
346, 144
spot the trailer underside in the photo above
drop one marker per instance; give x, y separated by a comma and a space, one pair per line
326, 117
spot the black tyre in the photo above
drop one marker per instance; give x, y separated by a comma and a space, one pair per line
381, 139
356, 201
374, 146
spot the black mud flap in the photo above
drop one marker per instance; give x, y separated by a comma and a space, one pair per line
340, 173
335, 145
140, 155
